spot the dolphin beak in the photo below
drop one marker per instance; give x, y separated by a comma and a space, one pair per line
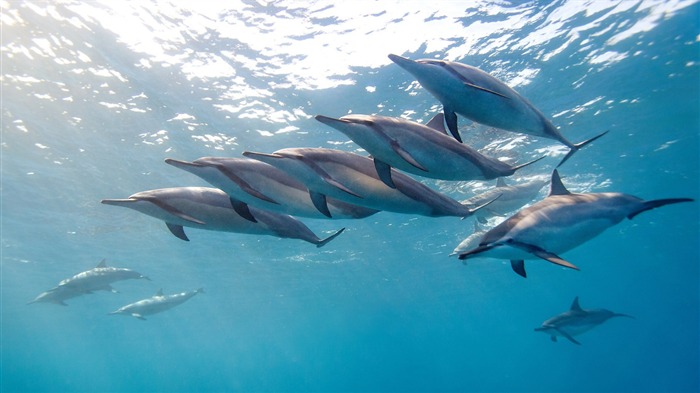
403, 62
329, 121
182, 164
118, 202
264, 157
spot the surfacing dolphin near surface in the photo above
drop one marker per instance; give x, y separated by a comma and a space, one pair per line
99, 278
258, 184
558, 223
211, 209
418, 149
353, 178
576, 321
476, 95
155, 304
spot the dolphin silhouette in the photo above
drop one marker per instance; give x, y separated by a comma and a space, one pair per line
576, 321
100, 278
558, 223
211, 208
258, 184
418, 149
476, 95
512, 197
155, 304
353, 178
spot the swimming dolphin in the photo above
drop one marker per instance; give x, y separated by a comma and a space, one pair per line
470, 241
478, 96
417, 149
210, 208
99, 278
156, 304
258, 184
352, 178
558, 223
576, 321
511, 198
57, 295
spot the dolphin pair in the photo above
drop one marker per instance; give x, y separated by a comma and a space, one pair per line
258, 184
155, 304
558, 223
478, 96
99, 278
418, 149
353, 178
211, 208
576, 321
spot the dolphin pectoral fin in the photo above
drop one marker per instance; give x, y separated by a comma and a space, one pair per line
568, 336
242, 209
326, 177
243, 185
139, 316
173, 210
325, 241
384, 172
577, 146
648, 205
451, 120
178, 231
406, 156
319, 201
437, 123
518, 266
469, 84
541, 253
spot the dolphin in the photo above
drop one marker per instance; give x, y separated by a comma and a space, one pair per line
155, 304
511, 198
57, 295
418, 149
476, 95
470, 241
210, 208
100, 278
258, 184
576, 321
558, 223
352, 178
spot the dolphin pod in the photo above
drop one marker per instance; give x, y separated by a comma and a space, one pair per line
558, 223
476, 95
576, 321
211, 209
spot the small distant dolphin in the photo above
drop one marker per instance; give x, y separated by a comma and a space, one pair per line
210, 208
470, 241
57, 295
576, 321
418, 149
352, 178
482, 98
100, 278
511, 198
559, 223
156, 304
258, 184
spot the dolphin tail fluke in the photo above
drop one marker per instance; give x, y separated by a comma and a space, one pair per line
578, 146
473, 210
325, 241
515, 168
648, 205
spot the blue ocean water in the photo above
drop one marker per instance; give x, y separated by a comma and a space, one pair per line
95, 95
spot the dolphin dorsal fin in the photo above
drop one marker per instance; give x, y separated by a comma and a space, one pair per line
575, 306
500, 182
557, 187
437, 123
160, 292
103, 263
